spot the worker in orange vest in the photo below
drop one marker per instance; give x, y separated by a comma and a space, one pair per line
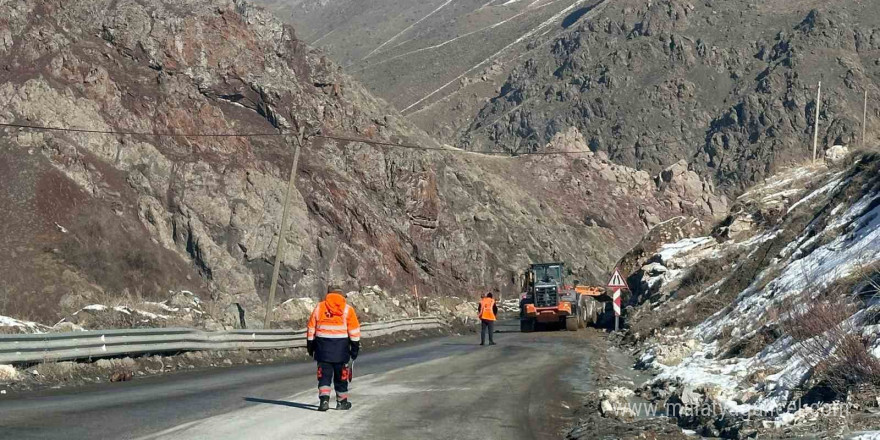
488, 310
333, 339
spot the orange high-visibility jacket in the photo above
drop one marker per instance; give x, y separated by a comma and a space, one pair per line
334, 328
486, 306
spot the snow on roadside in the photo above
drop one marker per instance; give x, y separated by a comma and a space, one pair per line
124, 310
823, 190
22, 326
791, 178
8, 373
669, 252
163, 306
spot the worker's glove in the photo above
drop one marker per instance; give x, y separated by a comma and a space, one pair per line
310, 348
353, 349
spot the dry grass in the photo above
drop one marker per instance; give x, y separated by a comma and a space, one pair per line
752, 345
850, 365
700, 309
827, 338
9, 330
702, 275
103, 248
27, 306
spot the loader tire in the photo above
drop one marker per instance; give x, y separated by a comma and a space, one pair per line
571, 323
526, 325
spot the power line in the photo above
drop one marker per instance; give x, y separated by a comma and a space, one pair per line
322, 136
383, 143
136, 133
229, 135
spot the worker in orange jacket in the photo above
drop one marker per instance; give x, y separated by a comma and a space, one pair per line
488, 310
333, 339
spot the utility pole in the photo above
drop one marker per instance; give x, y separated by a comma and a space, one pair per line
291, 187
415, 287
865, 122
816, 128
418, 303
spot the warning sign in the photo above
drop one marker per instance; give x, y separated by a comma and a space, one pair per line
617, 281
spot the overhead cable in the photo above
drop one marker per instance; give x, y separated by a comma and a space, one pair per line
322, 136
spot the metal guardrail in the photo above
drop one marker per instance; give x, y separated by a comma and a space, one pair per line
47, 347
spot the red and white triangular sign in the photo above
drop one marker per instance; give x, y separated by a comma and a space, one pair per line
617, 281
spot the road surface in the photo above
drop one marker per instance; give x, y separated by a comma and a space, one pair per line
523, 388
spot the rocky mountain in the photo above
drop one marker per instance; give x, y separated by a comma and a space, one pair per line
122, 219
774, 317
729, 86
437, 61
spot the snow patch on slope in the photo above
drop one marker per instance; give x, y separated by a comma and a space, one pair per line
22, 326
828, 250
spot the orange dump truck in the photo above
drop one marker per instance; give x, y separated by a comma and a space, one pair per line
547, 301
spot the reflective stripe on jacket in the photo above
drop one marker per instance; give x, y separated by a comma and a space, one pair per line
333, 326
486, 306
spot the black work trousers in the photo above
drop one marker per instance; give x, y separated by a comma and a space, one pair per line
487, 326
336, 374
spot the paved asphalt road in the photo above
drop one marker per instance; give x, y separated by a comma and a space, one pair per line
445, 388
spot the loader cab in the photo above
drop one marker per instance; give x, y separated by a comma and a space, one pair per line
542, 284
546, 300
548, 273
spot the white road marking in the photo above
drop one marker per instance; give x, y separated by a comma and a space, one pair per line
439, 45
599, 7
267, 421
169, 431
313, 43
407, 29
484, 5
283, 422
504, 49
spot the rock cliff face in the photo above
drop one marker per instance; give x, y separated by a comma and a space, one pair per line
97, 218
727, 86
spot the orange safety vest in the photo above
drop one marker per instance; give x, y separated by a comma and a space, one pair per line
486, 312
334, 319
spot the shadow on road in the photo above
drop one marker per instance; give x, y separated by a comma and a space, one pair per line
283, 403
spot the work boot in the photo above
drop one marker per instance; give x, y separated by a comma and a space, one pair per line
325, 403
482, 343
492, 343
343, 405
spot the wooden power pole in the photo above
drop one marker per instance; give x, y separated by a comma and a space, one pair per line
865, 122
418, 302
816, 127
285, 216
